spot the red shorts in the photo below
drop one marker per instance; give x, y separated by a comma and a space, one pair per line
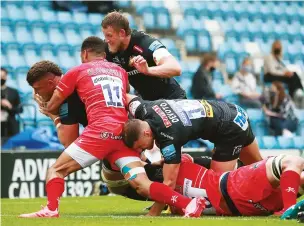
251, 191
99, 142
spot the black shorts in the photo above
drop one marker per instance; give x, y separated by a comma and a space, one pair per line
233, 135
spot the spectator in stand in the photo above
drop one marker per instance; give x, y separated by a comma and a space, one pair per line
10, 106
281, 111
276, 70
202, 79
244, 84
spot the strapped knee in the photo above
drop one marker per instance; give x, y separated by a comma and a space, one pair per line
277, 167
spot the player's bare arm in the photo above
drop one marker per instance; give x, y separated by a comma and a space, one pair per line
55, 102
167, 66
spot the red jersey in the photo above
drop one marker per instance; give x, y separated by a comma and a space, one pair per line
196, 181
101, 86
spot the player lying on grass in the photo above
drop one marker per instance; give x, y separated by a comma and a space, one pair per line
263, 188
173, 123
102, 87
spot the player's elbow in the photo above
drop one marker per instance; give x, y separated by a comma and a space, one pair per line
176, 68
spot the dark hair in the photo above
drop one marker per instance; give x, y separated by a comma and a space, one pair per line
40, 69
3, 69
208, 57
93, 44
117, 20
131, 132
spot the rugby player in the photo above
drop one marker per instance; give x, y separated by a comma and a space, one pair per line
102, 87
149, 64
172, 123
263, 188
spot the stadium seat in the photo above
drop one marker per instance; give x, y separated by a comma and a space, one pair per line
131, 20
231, 62
193, 66
47, 52
270, 142
3, 12
24, 87
190, 38
14, 12
141, 5
14, 55
30, 13
64, 17
191, 13
285, 142
186, 84
65, 57
298, 142
86, 30
80, 18
300, 115
76, 53
22, 32
71, 33
56, 36
48, 16
163, 19
95, 18
123, 3
30, 54
149, 17
7, 34
204, 41
39, 32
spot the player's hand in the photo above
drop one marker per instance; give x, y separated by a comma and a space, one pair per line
218, 96
39, 100
42, 107
6, 103
288, 74
141, 65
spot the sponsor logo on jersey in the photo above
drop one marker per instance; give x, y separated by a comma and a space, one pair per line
116, 60
138, 49
133, 107
169, 152
166, 135
109, 135
155, 45
237, 150
163, 116
241, 118
258, 206
169, 112
180, 111
133, 72
208, 108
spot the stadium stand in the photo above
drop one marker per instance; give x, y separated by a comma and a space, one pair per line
33, 31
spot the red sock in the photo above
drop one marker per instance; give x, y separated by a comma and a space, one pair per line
289, 182
164, 194
54, 190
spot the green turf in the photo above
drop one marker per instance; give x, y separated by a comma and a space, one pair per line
113, 211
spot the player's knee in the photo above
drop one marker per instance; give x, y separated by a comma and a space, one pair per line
290, 162
142, 185
54, 171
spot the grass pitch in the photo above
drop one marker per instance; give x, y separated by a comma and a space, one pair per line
115, 210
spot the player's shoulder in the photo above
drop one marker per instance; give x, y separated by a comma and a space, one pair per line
75, 69
145, 40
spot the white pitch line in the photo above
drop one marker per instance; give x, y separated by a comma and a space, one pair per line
162, 217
